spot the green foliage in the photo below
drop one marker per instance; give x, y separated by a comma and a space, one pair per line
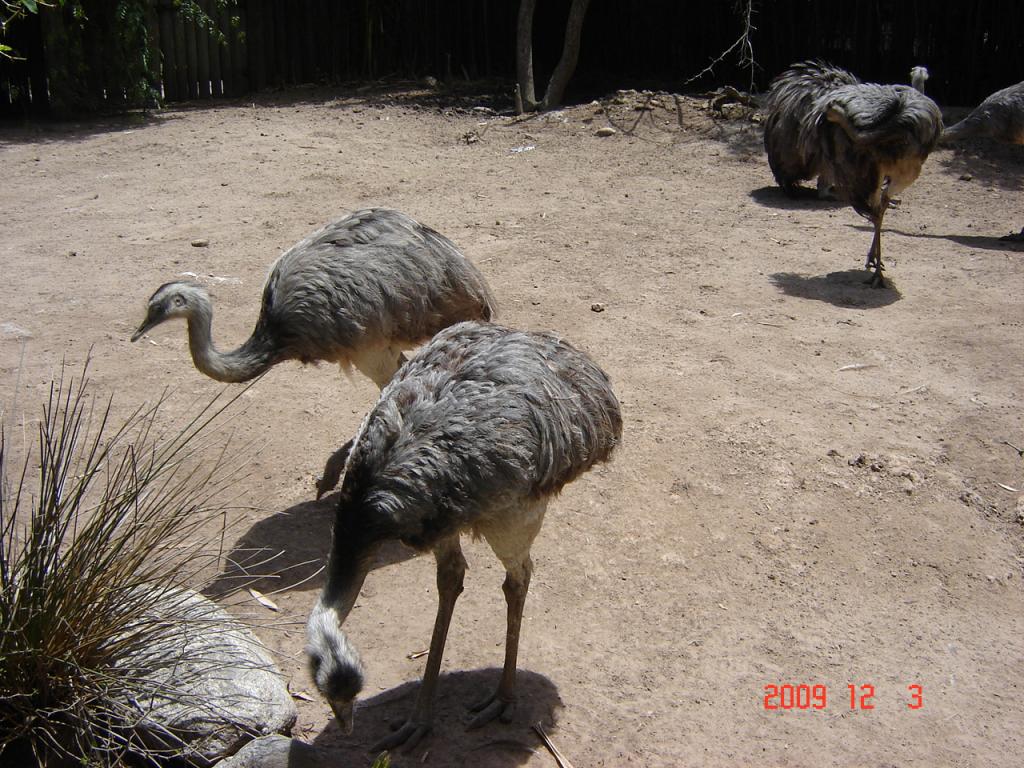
99, 531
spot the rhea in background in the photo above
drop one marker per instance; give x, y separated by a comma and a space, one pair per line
865, 141
476, 433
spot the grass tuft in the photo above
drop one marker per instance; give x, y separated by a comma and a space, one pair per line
101, 527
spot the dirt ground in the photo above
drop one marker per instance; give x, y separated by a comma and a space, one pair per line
817, 480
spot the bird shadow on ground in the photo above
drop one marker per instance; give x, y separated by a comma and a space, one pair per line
986, 162
774, 197
985, 242
288, 551
450, 744
843, 289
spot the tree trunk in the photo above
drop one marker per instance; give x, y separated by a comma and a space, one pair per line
524, 57
570, 55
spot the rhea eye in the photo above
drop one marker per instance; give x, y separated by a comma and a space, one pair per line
179, 301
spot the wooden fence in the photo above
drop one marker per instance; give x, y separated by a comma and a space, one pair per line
70, 67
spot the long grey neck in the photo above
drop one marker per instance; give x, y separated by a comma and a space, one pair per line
346, 572
242, 364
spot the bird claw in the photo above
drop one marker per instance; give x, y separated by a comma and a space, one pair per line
407, 735
876, 281
493, 706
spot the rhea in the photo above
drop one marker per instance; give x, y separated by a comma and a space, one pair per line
356, 292
869, 140
999, 117
476, 433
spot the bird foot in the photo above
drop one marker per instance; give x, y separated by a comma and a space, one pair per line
407, 734
491, 707
876, 280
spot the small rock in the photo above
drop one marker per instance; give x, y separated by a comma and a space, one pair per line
280, 752
597, 306
972, 498
200, 242
605, 130
965, 177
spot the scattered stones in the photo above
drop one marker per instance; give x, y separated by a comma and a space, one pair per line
597, 306
200, 242
605, 130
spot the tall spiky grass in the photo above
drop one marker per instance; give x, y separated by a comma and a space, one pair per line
100, 528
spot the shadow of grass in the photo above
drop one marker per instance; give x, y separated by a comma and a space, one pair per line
495, 745
843, 289
289, 550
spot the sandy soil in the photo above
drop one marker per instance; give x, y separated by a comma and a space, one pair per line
814, 485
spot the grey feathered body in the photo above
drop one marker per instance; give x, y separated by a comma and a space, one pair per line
867, 133
474, 433
479, 422
357, 292
1000, 117
371, 278
790, 102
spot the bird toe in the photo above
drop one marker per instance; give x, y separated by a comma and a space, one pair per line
407, 736
491, 708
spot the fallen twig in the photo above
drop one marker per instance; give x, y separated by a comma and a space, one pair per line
559, 757
1020, 451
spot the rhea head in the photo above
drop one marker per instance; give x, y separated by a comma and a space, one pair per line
334, 664
179, 299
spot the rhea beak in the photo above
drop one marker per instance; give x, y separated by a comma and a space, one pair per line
148, 323
344, 713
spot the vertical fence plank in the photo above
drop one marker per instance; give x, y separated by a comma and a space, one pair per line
36, 63
256, 45
203, 51
213, 46
192, 58
180, 57
241, 74
227, 72
168, 60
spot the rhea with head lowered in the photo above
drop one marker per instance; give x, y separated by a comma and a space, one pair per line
868, 140
474, 434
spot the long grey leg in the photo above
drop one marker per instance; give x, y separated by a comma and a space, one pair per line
501, 703
874, 260
511, 540
451, 568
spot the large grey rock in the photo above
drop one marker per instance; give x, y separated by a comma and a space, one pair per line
209, 684
280, 752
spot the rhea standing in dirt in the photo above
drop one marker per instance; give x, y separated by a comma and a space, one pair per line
476, 433
867, 140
